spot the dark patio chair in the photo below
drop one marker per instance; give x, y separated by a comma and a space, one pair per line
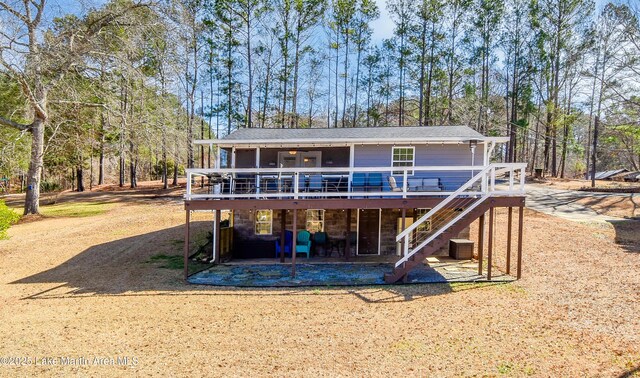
320, 239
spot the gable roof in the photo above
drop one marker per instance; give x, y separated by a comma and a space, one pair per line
355, 134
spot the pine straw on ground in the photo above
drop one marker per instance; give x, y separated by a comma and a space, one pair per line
84, 287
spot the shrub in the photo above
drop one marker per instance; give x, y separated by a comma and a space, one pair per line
49, 186
7, 218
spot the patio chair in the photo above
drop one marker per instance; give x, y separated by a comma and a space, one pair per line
393, 185
320, 239
315, 183
358, 182
374, 181
302, 183
303, 243
288, 243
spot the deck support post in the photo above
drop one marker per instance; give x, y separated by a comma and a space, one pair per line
404, 226
509, 230
186, 245
480, 242
520, 229
216, 245
283, 226
347, 242
490, 242
295, 243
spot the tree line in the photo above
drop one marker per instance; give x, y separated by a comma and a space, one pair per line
121, 91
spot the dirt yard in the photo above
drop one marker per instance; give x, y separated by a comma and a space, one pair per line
575, 184
83, 286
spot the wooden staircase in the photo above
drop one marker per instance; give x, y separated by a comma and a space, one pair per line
400, 272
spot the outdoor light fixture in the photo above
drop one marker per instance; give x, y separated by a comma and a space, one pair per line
293, 152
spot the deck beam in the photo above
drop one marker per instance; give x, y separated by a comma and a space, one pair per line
333, 203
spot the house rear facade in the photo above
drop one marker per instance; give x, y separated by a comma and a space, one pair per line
395, 191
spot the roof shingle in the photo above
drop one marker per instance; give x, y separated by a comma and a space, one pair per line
348, 134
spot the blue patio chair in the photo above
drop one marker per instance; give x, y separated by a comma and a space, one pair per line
374, 181
358, 182
302, 183
303, 244
288, 243
315, 183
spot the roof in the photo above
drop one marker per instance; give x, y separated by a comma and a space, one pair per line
358, 133
607, 174
345, 136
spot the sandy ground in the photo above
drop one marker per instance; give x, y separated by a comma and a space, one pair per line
84, 288
575, 184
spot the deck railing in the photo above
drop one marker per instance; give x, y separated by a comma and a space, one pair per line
357, 182
455, 206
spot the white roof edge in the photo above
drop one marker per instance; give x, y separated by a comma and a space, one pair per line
231, 142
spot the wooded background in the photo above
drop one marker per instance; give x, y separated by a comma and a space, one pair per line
116, 93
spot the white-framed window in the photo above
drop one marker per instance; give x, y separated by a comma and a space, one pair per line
315, 220
403, 156
264, 222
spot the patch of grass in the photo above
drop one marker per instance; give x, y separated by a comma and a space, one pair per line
462, 286
176, 262
505, 368
75, 210
168, 261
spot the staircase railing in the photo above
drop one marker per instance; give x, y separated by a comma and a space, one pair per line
456, 206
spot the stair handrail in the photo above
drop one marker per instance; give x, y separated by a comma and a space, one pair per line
466, 211
444, 202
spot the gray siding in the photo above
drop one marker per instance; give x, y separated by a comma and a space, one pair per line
426, 155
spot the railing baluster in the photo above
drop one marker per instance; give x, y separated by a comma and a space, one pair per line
404, 183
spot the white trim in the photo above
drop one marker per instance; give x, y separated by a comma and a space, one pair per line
413, 159
352, 159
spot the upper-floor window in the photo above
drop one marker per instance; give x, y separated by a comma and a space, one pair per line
403, 157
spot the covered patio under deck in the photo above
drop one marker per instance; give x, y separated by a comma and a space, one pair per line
348, 269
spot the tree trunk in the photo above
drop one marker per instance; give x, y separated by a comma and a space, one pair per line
423, 57
34, 174
79, 179
101, 159
346, 75
249, 72
594, 154
357, 83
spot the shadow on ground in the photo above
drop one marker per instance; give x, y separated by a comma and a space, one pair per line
125, 267
627, 234
139, 195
